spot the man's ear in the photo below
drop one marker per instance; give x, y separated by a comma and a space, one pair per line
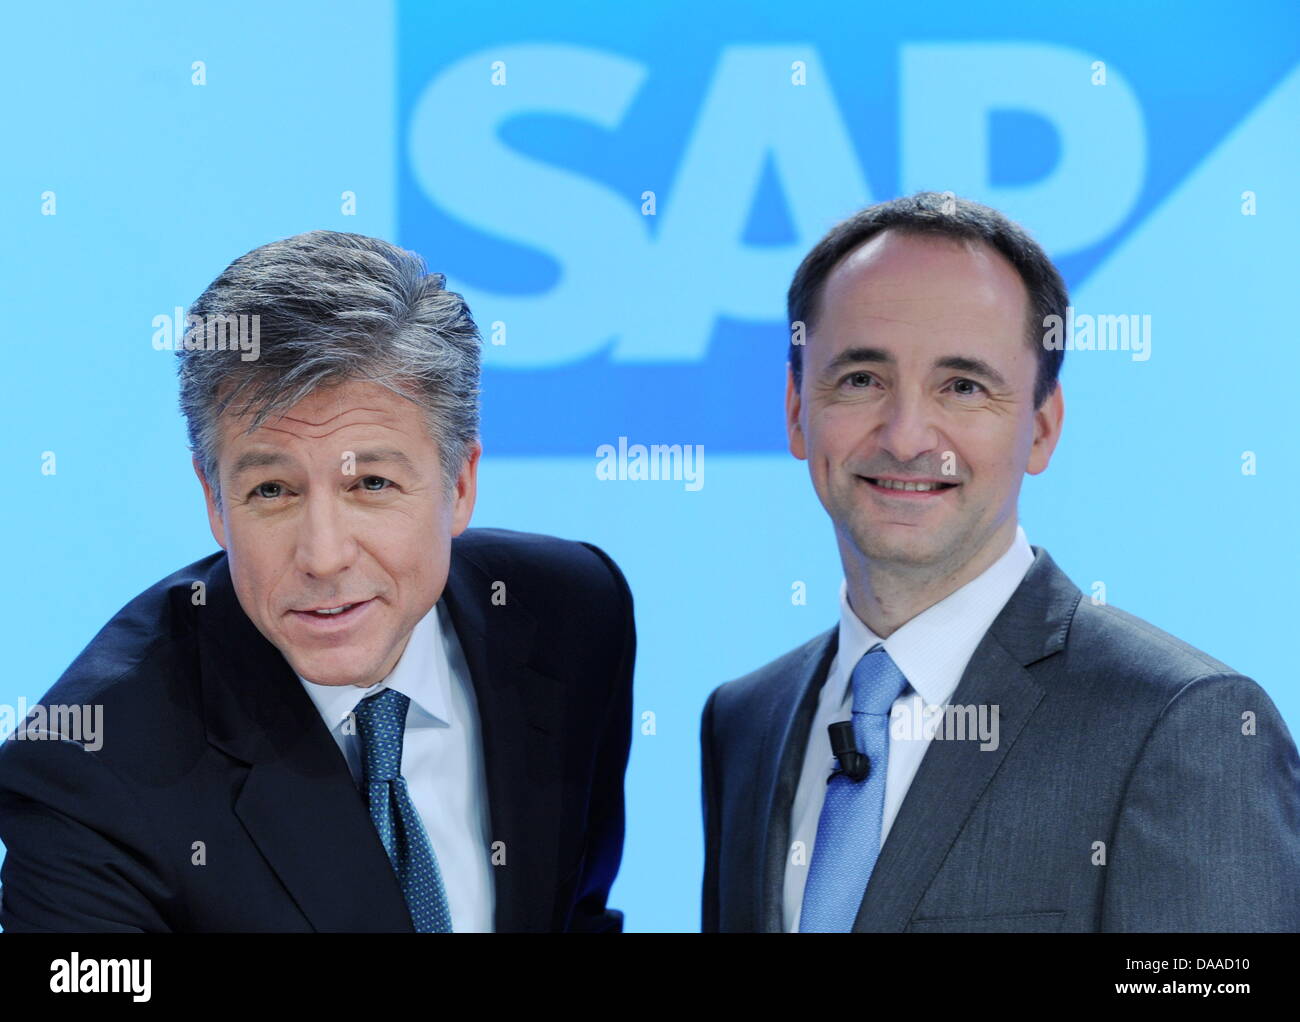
793, 407
462, 499
1047, 431
215, 523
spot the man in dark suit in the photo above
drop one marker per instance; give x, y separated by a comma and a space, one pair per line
975, 747
360, 715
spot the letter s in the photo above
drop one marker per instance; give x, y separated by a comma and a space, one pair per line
597, 235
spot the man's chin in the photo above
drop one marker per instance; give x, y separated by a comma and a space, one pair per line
336, 674
899, 544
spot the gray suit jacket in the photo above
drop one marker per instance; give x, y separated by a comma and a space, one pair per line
1112, 731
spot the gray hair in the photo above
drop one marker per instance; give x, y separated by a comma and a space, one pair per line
333, 308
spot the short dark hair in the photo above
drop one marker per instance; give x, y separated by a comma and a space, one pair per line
944, 215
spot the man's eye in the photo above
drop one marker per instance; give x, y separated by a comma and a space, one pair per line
267, 491
374, 483
970, 383
858, 380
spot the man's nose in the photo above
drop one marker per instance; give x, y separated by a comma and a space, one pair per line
325, 545
908, 430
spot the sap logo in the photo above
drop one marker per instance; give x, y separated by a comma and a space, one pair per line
652, 294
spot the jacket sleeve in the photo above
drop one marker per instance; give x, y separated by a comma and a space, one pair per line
1208, 831
605, 814
709, 801
77, 849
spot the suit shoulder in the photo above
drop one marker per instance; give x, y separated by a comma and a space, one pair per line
1129, 647
1117, 660
774, 680
536, 561
151, 629
129, 679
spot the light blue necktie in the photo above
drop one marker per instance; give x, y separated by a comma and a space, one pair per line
381, 723
848, 832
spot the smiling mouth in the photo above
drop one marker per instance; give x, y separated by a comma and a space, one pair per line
334, 610
335, 613
902, 486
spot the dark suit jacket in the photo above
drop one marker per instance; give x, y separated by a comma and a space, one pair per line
209, 736
1111, 731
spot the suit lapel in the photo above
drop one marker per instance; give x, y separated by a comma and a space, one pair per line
520, 719
790, 717
298, 802
950, 780
1032, 625
300, 805
954, 774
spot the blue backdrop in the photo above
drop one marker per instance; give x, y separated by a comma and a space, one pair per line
622, 192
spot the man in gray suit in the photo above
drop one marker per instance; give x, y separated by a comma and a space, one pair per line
975, 747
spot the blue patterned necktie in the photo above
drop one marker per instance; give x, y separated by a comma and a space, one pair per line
848, 832
381, 723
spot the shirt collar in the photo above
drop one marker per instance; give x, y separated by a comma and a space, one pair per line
420, 675
933, 648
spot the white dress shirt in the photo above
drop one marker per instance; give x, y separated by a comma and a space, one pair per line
932, 650
442, 760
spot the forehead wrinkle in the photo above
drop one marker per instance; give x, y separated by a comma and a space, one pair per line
313, 431
338, 415
304, 435
331, 418
902, 318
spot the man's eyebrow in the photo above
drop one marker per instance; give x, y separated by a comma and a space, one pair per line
852, 356
258, 459
380, 455
962, 363
250, 460
974, 366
